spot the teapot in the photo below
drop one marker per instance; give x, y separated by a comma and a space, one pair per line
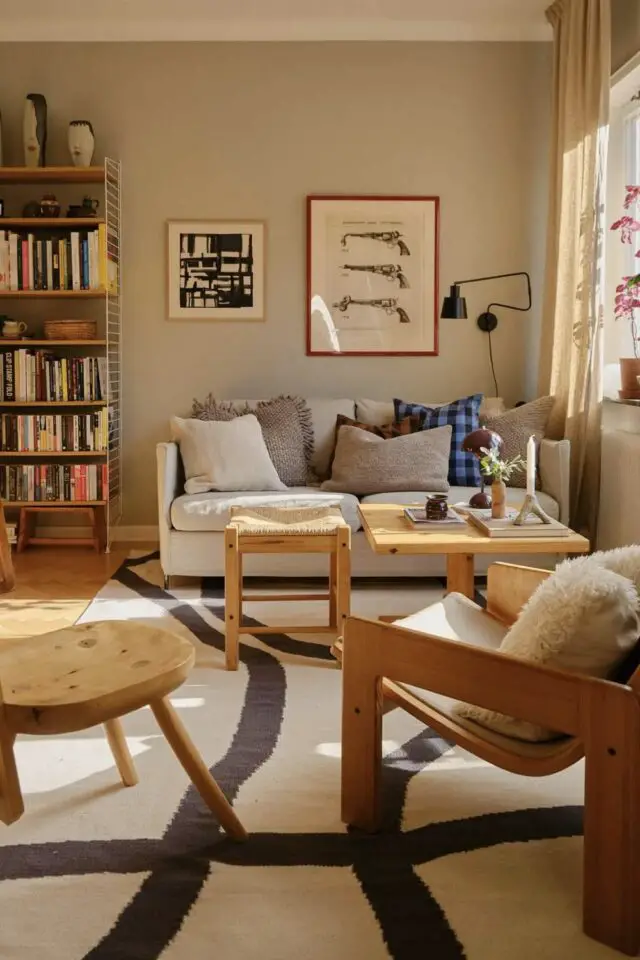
12, 329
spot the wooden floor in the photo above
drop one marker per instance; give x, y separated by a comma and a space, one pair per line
54, 585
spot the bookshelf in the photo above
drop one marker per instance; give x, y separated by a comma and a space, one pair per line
69, 391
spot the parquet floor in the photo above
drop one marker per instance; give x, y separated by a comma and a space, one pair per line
54, 585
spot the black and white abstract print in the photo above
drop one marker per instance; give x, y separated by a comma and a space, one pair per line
216, 270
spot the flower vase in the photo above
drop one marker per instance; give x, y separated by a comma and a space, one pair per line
498, 500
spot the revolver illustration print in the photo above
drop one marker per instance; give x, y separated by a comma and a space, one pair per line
388, 304
392, 238
391, 271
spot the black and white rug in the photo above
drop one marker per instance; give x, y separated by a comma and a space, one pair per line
473, 862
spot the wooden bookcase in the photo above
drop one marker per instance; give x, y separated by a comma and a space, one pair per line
103, 305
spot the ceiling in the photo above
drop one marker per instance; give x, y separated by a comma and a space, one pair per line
275, 20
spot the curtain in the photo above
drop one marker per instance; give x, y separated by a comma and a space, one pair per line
571, 336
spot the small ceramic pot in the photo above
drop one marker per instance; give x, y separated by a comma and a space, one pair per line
49, 206
436, 507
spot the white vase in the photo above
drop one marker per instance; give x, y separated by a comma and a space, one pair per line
81, 142
34, 130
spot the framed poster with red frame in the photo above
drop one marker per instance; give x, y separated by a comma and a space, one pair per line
372, 276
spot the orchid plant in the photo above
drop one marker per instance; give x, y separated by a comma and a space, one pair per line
627, 299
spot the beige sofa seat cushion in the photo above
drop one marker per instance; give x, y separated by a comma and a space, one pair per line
461, 495
458, 619
210, 511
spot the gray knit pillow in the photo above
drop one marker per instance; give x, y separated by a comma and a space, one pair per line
286, 427
516, 426
364, 463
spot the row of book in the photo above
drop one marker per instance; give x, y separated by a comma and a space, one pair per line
66, 483
76, 260
53, 433
33, 375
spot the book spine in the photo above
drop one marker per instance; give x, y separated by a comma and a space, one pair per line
30, 263
13, 261
75, 261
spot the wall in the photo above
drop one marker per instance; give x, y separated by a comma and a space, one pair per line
246, 131
625, 31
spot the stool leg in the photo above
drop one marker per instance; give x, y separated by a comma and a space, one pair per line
120, 751
343, 578
196, 768
232, 597
333, 587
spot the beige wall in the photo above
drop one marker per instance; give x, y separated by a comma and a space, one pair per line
246, 131
625, 31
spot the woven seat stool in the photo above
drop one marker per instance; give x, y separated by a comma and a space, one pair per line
285, 530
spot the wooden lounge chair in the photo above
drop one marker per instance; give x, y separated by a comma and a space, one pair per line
601, 720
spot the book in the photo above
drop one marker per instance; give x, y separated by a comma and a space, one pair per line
417, 516
532, 527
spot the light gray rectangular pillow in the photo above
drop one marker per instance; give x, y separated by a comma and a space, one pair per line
364, 463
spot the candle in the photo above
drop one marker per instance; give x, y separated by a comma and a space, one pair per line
531, 466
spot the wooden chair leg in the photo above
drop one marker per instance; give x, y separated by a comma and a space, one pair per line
612, 822
185, 751
333, 590
11, 802
7, 578
343, 578
361, 732
120, 751
232, 597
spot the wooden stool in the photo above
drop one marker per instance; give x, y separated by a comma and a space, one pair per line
93, 673
285, 530
27, 524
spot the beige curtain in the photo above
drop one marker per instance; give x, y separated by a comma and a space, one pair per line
571, 340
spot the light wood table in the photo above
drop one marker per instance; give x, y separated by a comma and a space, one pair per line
388, 531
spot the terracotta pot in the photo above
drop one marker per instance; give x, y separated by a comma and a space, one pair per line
498, 500
629, 373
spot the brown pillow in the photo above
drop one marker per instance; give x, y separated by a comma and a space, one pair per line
286, 428
399, 428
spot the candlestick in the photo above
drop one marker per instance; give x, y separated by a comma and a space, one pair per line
531, 466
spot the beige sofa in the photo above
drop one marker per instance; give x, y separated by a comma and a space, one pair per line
191, 526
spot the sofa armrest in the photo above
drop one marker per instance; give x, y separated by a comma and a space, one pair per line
168, 462
555, 465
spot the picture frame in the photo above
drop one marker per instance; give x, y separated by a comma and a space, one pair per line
216, 269
372, 275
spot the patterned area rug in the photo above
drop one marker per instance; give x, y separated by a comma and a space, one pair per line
473, 863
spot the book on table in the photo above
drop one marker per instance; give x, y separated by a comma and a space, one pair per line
532, 526
417, 516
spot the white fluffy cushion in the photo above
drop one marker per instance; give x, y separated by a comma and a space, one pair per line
583, 619
224, 455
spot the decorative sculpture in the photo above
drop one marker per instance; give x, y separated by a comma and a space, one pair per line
34, 130
81, 142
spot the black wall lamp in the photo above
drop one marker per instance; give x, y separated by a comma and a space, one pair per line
454, 307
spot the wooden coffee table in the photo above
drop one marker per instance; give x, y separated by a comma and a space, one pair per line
388, 531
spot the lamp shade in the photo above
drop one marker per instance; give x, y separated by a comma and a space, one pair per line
454, 307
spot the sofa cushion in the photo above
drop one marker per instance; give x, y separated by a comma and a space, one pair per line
210, 511
286, 427
516, 426
461, 495
463, 417
224, 455
365, 463
323, 417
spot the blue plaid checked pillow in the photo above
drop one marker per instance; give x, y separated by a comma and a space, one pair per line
463, 415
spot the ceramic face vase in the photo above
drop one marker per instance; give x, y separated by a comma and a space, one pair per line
34, 130
81, 142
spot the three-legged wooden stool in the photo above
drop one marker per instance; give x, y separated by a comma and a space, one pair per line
285, 530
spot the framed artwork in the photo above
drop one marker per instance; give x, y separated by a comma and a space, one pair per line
216, 269
372, 276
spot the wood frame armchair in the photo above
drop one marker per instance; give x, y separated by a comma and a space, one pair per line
601, 720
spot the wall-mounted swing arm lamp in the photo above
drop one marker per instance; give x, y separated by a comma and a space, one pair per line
454, 307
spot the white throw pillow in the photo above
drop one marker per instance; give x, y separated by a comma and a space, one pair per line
224, 455
583, 619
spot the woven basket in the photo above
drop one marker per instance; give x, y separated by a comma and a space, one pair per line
70, 329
